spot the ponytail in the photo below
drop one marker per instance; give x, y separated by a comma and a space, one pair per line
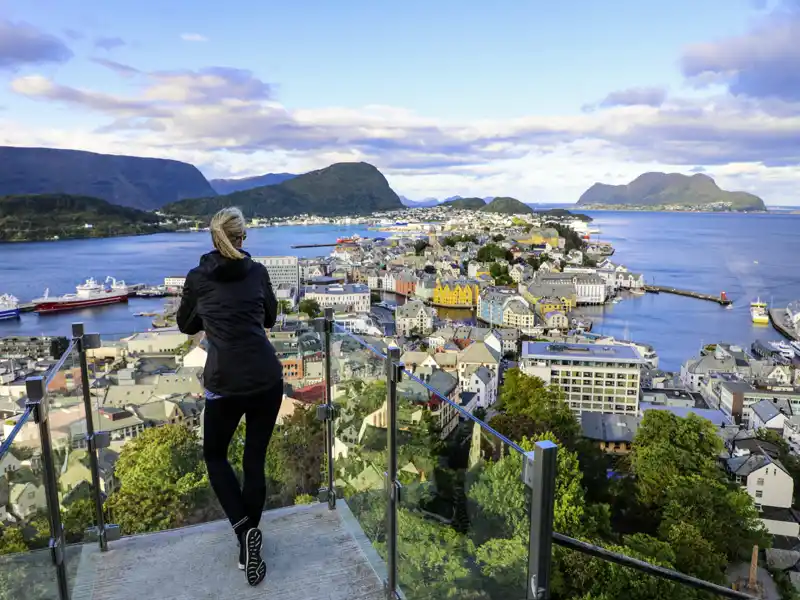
227, 227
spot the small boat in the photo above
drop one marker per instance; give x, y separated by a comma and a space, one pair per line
758, 312
638, 291
9, 307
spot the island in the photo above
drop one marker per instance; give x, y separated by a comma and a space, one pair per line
669, 191
465, 203
340, 189
63, 216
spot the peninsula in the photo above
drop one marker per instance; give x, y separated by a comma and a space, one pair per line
669, 191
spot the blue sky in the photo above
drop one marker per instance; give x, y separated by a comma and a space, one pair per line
511, 97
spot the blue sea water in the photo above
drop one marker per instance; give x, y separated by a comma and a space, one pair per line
746, 256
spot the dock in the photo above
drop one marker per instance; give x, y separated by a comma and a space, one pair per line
777, 316
660, 289
324, 245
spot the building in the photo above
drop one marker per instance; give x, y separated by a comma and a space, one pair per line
414, 316
594, 377
482, 383
283, 270
770, 486
351, 297
456, 292
613, 433
175, 282
153, 342
555, 320
475, 356
770, 414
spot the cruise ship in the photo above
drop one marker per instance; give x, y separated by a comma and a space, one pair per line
88, 295
758, 312
9, 307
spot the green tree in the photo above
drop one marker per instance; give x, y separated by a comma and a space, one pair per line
667, 447
284, 307
311, 307
419, 247
11, 540
491, 252
162, 480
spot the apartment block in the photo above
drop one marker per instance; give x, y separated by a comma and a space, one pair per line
594, 377
283, 270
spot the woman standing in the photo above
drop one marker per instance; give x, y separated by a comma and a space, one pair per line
230, 297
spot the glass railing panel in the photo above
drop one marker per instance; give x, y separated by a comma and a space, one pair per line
26, 566
358, 374
463, 519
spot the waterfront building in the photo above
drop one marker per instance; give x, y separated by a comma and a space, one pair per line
549, 304
456, 292
348, 297
424, 288
555, 320
283, 270
414, 316
405, 283
594, 377
175, 283
550, 285
492, 302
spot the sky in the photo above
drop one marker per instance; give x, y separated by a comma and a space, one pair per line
513, 97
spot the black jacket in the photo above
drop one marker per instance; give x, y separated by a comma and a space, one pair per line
232, 301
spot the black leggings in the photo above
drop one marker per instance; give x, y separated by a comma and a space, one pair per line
243, 506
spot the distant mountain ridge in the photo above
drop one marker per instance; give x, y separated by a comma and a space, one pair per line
340, 189
228, 186
465, 203
133, 181
669, 189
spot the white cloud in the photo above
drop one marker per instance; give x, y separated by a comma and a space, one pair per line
193, 37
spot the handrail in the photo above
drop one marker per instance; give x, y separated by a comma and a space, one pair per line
466, 413
646, 567
6, 445
51, 373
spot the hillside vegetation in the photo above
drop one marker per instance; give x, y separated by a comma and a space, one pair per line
342, 188
669, 189
46, 216
143, 183
507, 206
465, 203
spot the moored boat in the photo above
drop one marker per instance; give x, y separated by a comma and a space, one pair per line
758, 312
9, 307
88, 295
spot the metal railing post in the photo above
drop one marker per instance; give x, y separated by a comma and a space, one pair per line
35, 387
94, 441
327, 411
394, 372
539, 474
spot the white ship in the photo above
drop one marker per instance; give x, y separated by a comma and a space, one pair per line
9, 307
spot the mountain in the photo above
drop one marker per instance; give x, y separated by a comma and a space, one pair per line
22, 218
507, 206
341, 189
228, 186
424, 203
144, 183
465, 203
662, 189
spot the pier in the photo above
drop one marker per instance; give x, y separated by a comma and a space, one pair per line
777, 316
722, 300
324, 245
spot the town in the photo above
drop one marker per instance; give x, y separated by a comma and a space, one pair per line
485, 310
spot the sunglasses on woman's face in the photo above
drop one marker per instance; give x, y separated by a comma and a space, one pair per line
244, 236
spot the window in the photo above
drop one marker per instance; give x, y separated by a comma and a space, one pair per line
759, 493
760, 481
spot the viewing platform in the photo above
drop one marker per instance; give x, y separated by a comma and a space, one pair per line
722, 300
312, 553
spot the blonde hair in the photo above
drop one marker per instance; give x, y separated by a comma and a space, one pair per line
227, 228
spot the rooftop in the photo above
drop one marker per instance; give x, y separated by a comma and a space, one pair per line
590, 352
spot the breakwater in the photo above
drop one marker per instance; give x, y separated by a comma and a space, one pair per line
661, 289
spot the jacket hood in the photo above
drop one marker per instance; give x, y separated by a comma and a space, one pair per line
219, 268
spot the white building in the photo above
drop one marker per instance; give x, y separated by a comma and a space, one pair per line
352, 297
414, 315
769, 485
483, 383
156, 342
594, 377
174, 282
283, 270
590, 289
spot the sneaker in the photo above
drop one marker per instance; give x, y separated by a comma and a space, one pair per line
241, 556
254, 568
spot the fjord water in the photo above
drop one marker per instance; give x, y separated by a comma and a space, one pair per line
744, 255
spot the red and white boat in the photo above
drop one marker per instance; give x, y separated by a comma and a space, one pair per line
88, 295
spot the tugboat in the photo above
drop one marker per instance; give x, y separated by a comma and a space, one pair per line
88, 295
9, 307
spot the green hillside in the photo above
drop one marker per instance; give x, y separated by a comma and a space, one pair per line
670, 189
46, 216
507, 206
465, 203
341, 189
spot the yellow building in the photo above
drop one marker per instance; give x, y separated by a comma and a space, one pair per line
458, 292
550, 304
540, 236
